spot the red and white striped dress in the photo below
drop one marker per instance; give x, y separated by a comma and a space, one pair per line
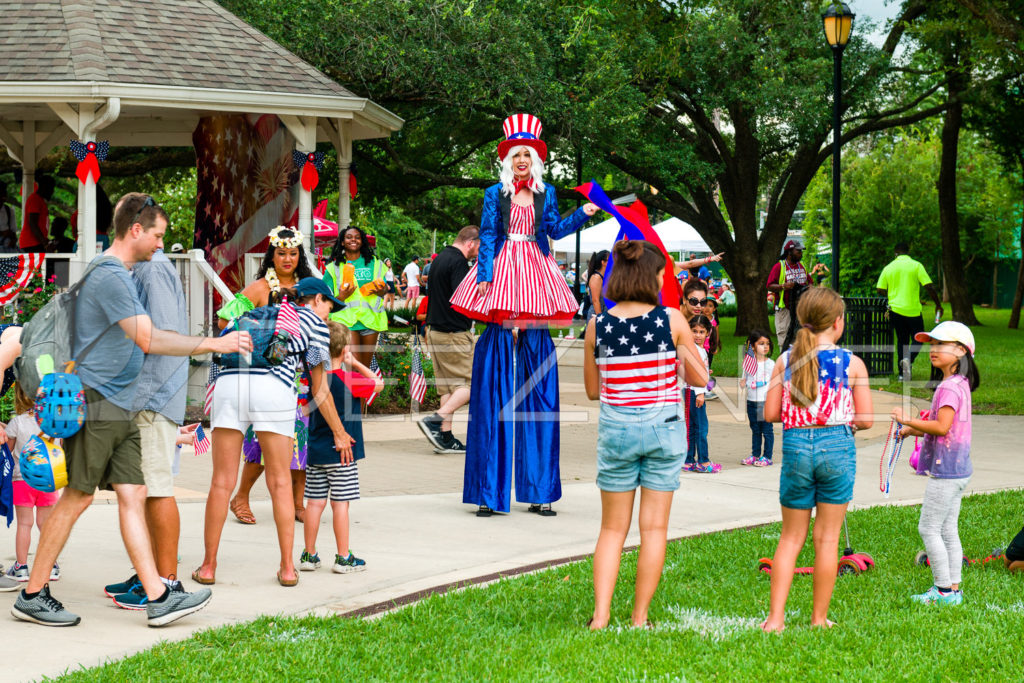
527, 286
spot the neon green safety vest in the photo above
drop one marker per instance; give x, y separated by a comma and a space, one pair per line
367, 310
782, 280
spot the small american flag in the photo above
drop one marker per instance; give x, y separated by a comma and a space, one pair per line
375, 369
200, 441
287, 319
749, 363
15, 272
211, 382
417, 382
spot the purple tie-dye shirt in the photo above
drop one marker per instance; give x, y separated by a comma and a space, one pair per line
949, 456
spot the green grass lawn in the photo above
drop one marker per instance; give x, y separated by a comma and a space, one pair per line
706, 614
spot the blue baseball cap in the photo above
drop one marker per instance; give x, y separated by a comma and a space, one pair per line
308, 286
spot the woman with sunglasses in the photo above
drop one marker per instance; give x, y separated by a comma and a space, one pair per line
695, 298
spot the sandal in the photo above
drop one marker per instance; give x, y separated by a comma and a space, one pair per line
242, 512
202, 580
287, 583
544, 510
484, 511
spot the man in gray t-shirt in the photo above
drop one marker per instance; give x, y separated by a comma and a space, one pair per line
106, 451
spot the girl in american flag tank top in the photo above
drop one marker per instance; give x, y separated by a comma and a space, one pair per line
820, 393
516, 284
635, 354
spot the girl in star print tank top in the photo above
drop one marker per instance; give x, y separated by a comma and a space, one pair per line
636, 353
819, 392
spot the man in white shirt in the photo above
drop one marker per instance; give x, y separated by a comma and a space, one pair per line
412, 281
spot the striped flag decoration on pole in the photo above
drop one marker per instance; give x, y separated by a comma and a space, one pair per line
200, 441
417, 382
375, 369
211, 382
287, 319
15, 272
749, 362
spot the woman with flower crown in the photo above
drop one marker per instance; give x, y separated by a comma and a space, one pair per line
283, 265
516, 288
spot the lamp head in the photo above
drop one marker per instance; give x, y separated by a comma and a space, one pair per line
837, 19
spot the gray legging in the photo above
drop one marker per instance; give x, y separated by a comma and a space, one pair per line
940, 513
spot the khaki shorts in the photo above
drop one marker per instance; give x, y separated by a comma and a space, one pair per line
452, 354
106, 450
157, 435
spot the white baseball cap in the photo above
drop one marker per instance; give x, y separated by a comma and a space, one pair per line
949, 331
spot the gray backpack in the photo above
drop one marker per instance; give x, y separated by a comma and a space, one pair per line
49, 332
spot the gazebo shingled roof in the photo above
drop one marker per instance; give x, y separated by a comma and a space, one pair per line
149, 41
145, 71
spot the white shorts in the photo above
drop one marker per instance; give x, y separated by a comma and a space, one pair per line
157, 435
263, 401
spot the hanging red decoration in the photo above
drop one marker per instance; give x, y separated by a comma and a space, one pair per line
89, 155
310, 163
353, 186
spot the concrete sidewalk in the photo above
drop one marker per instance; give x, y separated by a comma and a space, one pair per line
415, 533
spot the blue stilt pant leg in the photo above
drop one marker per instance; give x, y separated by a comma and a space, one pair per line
537, 473
488, 473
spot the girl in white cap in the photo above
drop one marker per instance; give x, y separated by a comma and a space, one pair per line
945, 456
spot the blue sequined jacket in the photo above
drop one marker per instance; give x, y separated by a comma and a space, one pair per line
547, 222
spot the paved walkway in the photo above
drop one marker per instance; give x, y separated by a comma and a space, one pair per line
415, 533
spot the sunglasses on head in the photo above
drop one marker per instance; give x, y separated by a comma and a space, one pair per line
694, 301
149, 203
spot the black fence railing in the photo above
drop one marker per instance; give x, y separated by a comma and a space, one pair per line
869, 333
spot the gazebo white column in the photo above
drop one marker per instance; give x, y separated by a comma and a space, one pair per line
339, 132
85, 122
304, 130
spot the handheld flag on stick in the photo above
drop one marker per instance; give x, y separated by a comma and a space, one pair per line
417, 382
200, 441
375, 369
634, 224
749, 362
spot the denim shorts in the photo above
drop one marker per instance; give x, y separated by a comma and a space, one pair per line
638, 447
818, 466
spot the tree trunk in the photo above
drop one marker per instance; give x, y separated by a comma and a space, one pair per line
749, 283
1019, 294
952, 261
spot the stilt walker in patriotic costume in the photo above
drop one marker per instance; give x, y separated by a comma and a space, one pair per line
517, 289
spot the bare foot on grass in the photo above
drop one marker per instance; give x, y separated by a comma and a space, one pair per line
773, 627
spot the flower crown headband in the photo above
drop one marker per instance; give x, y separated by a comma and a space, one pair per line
281, 241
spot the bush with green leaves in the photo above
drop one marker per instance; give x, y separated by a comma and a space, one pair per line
394, 357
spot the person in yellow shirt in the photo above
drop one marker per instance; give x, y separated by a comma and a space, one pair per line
901, 281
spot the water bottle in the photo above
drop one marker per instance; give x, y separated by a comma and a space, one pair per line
938, 317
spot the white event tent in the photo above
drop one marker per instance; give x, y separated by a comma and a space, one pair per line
676, 235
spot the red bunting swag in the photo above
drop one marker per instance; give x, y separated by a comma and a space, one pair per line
310, 163
89, 155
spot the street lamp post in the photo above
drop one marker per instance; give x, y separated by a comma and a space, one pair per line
838, 21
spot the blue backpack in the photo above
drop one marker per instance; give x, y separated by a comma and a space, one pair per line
269, 348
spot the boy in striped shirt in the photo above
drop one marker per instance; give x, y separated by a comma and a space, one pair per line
328, 472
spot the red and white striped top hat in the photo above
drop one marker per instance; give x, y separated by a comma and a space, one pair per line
520, 130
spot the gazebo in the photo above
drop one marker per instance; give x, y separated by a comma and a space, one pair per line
142, 73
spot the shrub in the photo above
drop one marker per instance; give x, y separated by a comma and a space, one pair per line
394, 357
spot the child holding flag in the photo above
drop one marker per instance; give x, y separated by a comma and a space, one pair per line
757, 371
330, 472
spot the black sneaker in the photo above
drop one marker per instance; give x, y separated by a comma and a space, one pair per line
43, 609
431, 428
175, 605
449, 444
